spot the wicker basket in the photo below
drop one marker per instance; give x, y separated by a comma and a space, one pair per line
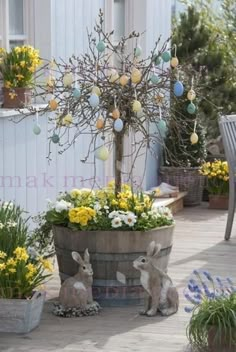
187, 179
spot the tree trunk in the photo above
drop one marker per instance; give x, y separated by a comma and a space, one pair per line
119, 139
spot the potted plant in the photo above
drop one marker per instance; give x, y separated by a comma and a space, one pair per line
115, 229
213, 308
17, 68
22, 272
217, 173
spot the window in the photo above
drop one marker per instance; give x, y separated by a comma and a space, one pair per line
14, 29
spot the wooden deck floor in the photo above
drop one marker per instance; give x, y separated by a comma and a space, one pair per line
198, 244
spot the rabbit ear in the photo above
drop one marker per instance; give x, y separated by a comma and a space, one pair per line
157, 249
151, 249
86, 256
77, 258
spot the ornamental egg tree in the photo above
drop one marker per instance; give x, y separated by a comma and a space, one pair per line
91, 96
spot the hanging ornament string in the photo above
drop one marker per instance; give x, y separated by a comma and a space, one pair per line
195, 125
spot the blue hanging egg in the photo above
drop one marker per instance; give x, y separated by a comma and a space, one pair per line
162, 128
37, 129
191, 108
94, 100
76, 93
55, 138
166, 56
101, 46
138, 51
178, 89
118, 125
155, 79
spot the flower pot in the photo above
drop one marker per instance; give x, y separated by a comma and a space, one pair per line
187, 179
116, 281
15, 98
217, 343
21, 315
218, 201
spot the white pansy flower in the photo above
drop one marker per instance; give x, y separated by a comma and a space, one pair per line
116, 222
61, 195
11, 224
8, 205
97, 206
113, 214
130, 219
106, 207
144, 215
62, 205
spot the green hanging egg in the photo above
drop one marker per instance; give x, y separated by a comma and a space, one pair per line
37, 129
138, 51
155, 79
162, 128
166, 56
101, 46
191, 108
157, 60
55, 138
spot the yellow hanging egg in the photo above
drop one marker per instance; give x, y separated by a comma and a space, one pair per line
68, 79
191, 95
136, 106
53, 104
67, 120
96, 90
113, 76
100, 122
116, 113
194, 138
124, 80
174, 62
136, 76
102, 153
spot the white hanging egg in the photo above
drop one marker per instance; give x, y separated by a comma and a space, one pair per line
94, 100
191, 95
68, 79
113, 76
136, 76
194, 138
102, 153
162, 128
37, 129
118, 125
137, 106
96, 90
124, 80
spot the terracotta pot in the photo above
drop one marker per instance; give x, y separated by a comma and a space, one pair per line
22, 97
218, 343
218, 201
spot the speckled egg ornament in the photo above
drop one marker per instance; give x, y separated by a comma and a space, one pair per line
76, 93
37, 129
124, 80
162, 128
191, 95
118, 125
136, 76
55, 138
194, 138
136, 106
178, 89
94, 100
116, 113
96, 90
68, 79
191, 108
174, 62
53, 104
155, 79
160, 99
101, 46
100, 122
166, 56
138, 51
102, 153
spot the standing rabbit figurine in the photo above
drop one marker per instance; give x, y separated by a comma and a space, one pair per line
76, 291
162, 295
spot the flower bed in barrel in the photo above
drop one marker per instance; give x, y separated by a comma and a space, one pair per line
116, 229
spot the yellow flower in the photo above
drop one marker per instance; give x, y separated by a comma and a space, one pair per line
2, 266
123, 205
74, 193
12, 95
225, 178
31, 69
2, 255
20, 77
11, 262
47, 264
22, 63
7, 84
32, 270
21, 254
114, 202
12, 270
81, 215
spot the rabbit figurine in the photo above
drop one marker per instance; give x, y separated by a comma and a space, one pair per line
162, 295
76, 291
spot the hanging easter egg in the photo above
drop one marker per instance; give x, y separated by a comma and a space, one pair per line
174, 62
76, 93
194, 138
157, 60
96, 90
37, 129
68, 79
100, 122
53, 104
118, 125
155, 79
101, 46
160, 99
178, 89
138, 51
191, 108
102, 153
136, 106
191, 95
94, 100
116, 113
113, 76
136, 76
166, 56
124, 80
162, 128
67, 120
55, 138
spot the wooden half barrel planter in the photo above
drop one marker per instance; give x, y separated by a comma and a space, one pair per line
115, 282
